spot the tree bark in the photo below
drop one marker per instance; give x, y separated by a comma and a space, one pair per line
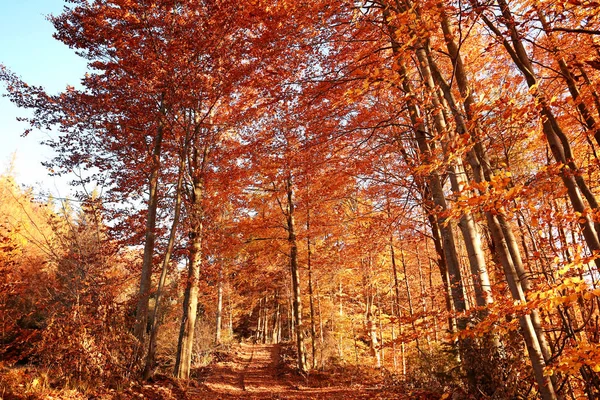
434, 184
295, 272
507, 249
219, 316
190, 302
313, 328
150, 358
396, 304
197, 166
141, 313
369, 323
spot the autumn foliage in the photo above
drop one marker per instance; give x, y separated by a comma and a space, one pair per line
406, 185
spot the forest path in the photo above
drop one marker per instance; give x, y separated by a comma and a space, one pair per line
255, 372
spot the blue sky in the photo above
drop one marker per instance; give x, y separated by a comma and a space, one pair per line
28, 49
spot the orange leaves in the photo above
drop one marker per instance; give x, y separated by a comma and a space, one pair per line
502, 316
572, 359
566, 293
496, 195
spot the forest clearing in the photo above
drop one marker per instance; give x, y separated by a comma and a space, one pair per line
317, 199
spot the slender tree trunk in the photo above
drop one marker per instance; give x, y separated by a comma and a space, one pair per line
150, 358
506, 247
295, 271
396, 303
230, 307
219, 317
141, 313
267, 318
262, 320
277, 323
341, 316
411, 311
291, 322
441, 263
394, 355
321, 339
432, 296
369, 323
259, 313
313, 328
381, 341
185, 343
198, 163
355, 343
423, 299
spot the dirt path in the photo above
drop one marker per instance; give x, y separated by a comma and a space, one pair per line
254, 372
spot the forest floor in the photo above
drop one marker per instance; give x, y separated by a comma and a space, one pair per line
246, 371
258, 371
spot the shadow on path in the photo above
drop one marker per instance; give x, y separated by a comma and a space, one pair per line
254, 372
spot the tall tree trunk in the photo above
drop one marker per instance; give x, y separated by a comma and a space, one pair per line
313, 328
457, 174
423, 299
197, 166
185, 344
295, 272
219, 316
369, 323
396, 304
411, 311
141, 314
340, 316
290, 310
321, 339
277, 324
444, 224
441, 263
507, 249
258, 329
150, 358
267, 324
230, 308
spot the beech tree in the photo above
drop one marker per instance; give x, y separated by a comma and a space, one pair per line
405, 185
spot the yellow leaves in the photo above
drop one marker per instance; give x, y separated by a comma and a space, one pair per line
376, 73
591, 294
533, 89
567, 292
496, 195
514, 192
572, 359
572, 281
502, 316
501, 180
37, 381
578, 263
